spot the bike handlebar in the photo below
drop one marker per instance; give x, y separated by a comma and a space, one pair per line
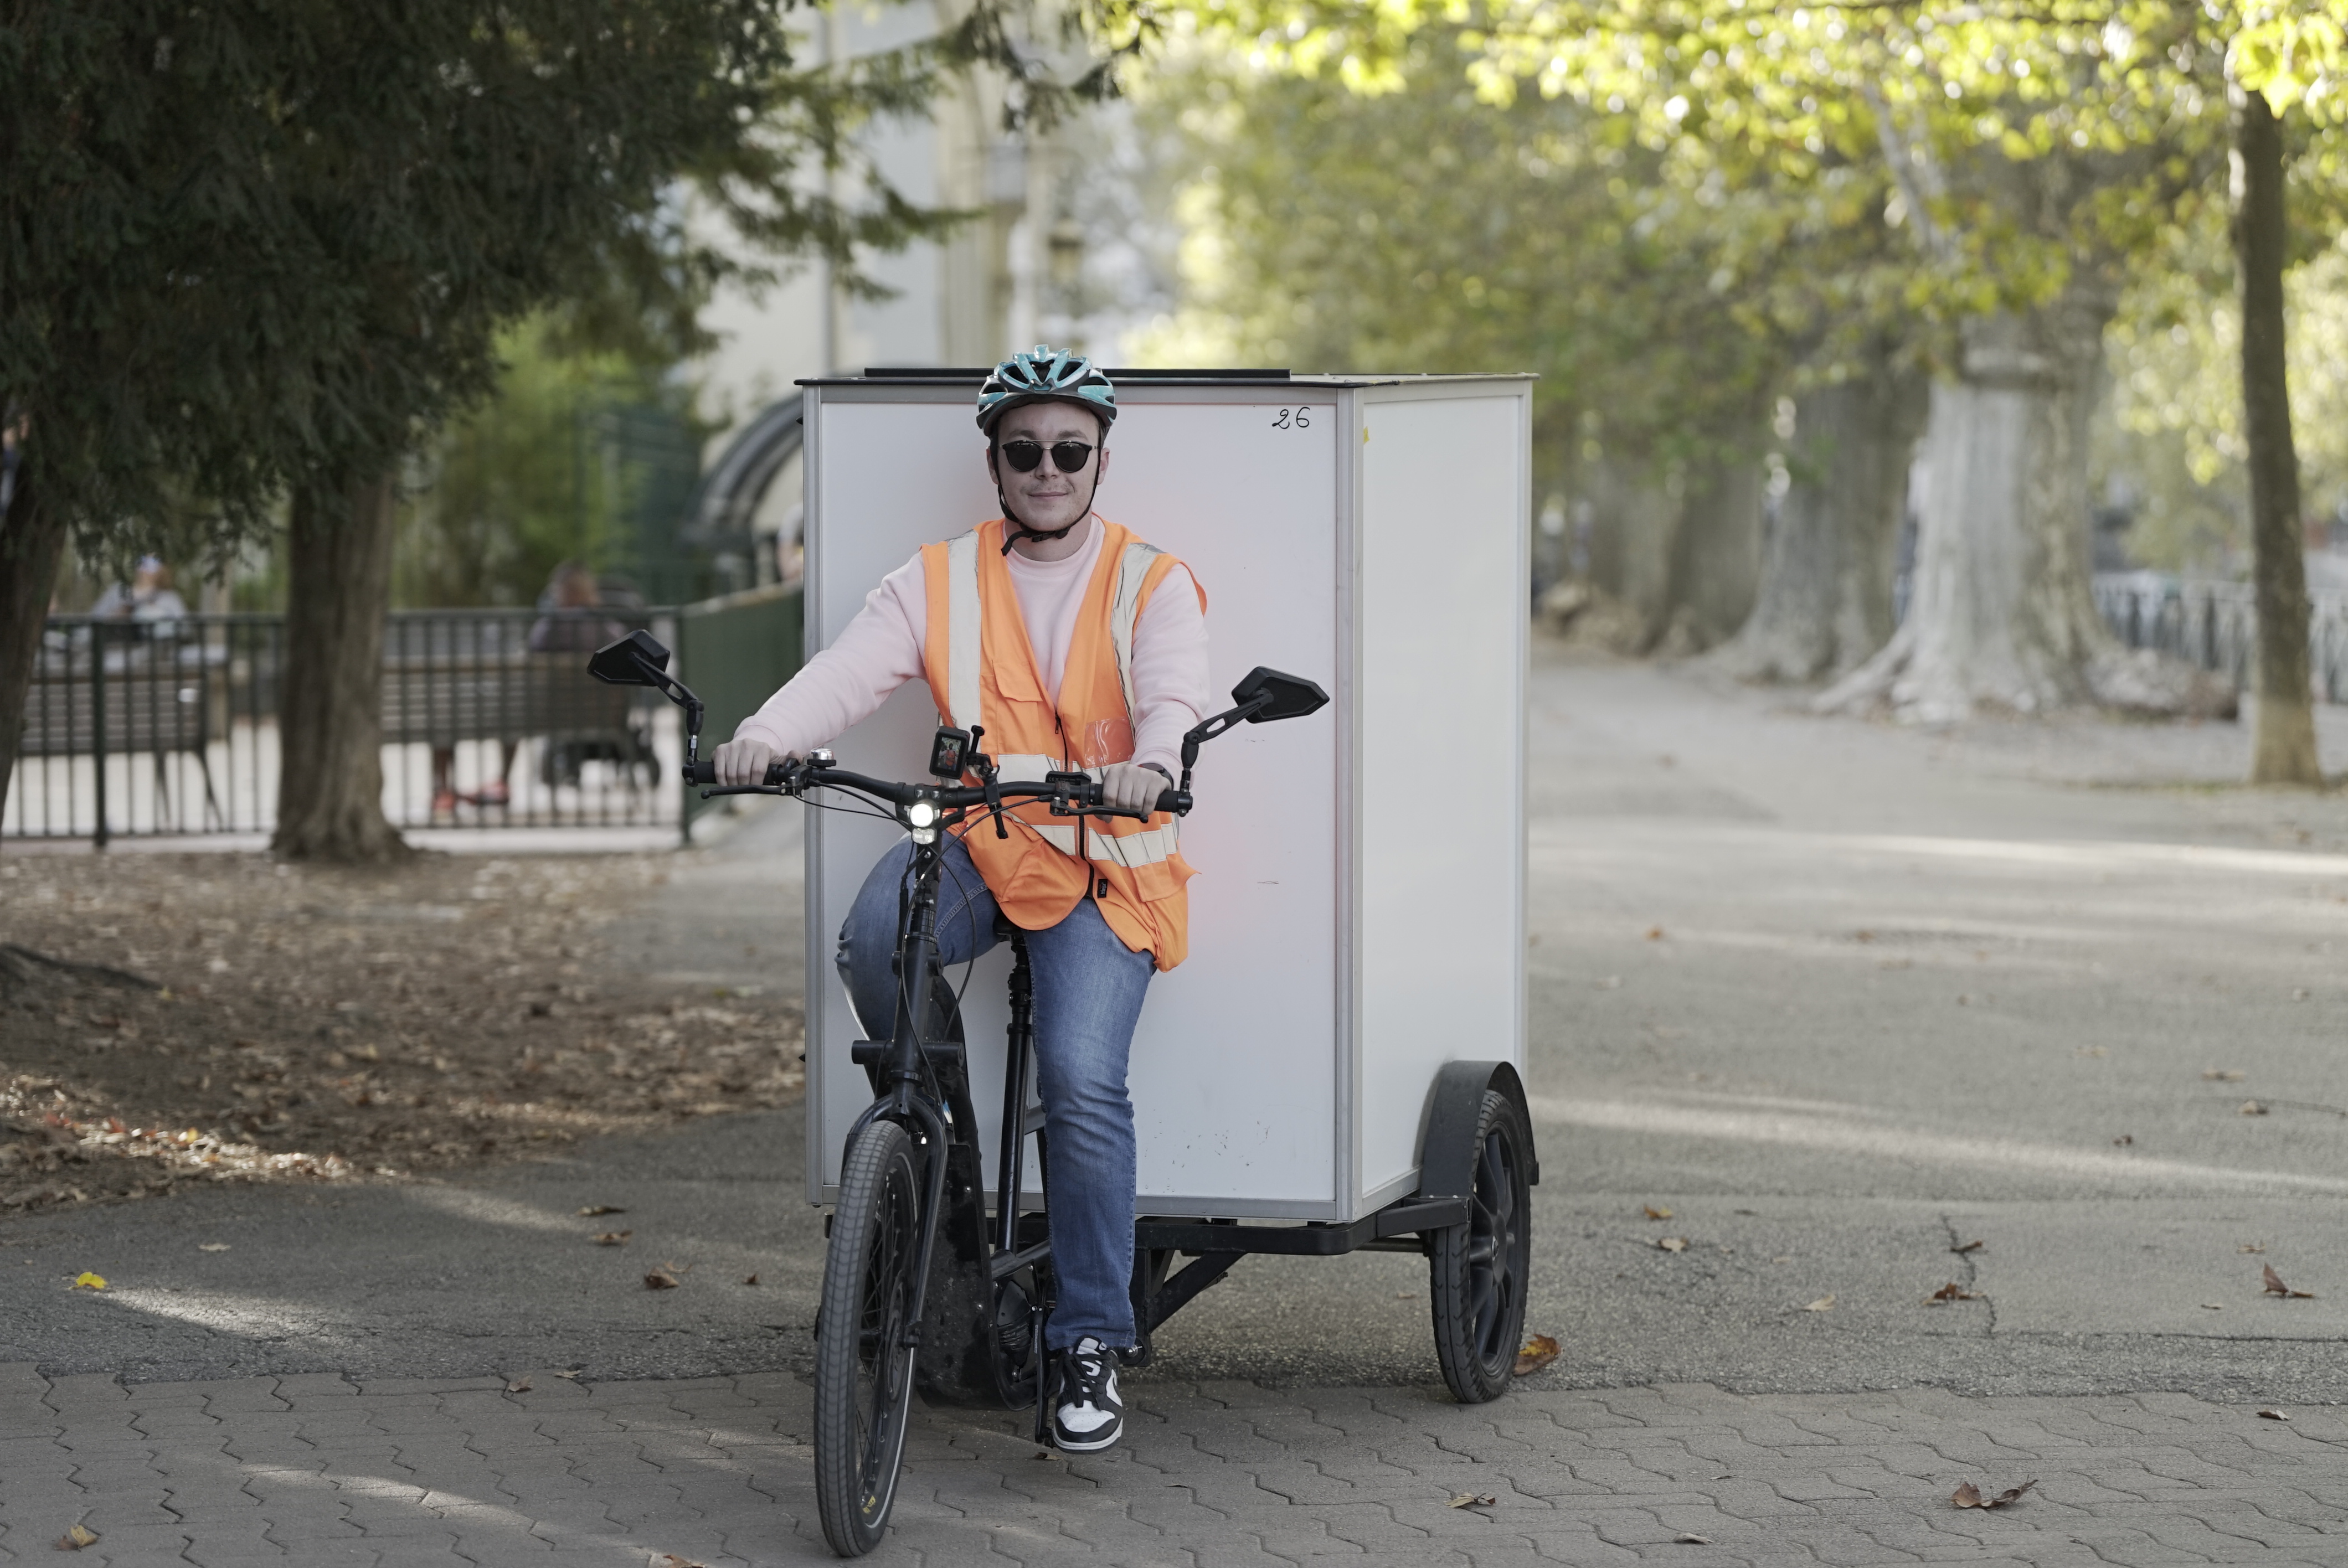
781, 776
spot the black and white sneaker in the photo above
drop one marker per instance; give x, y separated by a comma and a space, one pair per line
1086, 1415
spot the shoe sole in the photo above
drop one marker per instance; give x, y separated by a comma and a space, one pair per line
1065, 1445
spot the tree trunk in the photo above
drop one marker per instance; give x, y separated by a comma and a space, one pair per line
1715, 549
2001, 613
330, 712
32, 540
1825, 600
1631, 520
2282, 749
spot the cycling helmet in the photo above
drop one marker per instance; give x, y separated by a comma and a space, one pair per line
1045, 374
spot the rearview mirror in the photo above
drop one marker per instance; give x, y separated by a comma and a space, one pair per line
1284, 696
635, 659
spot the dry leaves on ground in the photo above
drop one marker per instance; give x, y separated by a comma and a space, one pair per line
169, 1018
1671, 1243
98, 1282
2275, 1287
1537, 1352
2221, 1075
1658, 1213
1968, 1246
1967, 1495
2273, 1416
660, 1279
1823, 1304
2252, 1108
76, 1537
612, 1238
671, 1560
1690, 1538
1950, 1292
1471, 1499
597, 1211
518, 1386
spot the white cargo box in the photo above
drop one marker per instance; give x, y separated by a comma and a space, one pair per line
1358, 916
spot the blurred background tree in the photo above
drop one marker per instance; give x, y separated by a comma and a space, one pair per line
576, 455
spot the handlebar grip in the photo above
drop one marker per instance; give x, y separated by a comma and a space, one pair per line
705, 771
1177, 801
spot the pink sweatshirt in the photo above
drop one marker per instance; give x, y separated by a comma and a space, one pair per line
880, 650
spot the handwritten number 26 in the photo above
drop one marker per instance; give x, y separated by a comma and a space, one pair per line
1294, 419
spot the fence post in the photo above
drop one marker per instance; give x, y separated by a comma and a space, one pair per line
98, 721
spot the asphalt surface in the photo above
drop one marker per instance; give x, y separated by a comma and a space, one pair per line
1839, 997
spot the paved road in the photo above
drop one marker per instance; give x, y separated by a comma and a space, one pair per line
1839, 997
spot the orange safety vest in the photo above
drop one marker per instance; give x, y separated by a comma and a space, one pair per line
981, 671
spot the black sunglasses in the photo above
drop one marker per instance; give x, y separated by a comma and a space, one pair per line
1026, 456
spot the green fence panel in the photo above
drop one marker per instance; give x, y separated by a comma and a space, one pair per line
734, 651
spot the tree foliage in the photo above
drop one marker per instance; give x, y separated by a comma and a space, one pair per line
250, 241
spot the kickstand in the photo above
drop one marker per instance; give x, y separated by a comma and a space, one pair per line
1042, 1377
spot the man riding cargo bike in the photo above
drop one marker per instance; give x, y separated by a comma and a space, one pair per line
1066, 659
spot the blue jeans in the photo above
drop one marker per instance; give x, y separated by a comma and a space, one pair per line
1088, 993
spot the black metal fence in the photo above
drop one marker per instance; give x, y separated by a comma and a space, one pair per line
490, 720
2215, 625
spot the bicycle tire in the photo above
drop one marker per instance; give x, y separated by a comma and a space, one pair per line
863, 1367
1477, 1271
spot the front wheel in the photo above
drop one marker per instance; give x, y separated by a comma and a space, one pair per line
863, 1348
1477, 1270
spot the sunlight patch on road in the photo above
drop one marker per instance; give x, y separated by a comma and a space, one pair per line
482, 1209
248, 1316
1842, 1133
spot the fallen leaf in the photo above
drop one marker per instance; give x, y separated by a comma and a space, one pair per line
1042, 1453
1472, 1499
750, 1279
571, 1377
679, 1269
1654, 934
660, 1279
89, 1282
2125, 1140
1967, 1495
519, 1387
1968, 1246
612, 1238
2213, 1306
2252, 1246
2252, 1108
597, 1211
76, 1537
212, 1247
1951, 1291
2274, 1286
2273, 1416
2221, 1075
1689, 1538
1823, 1304
671, 1560
1405, 1294
1671, 1243
1538, 1351
1656, 1213
2092, 1050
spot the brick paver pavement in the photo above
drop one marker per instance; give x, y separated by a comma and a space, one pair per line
322, 1471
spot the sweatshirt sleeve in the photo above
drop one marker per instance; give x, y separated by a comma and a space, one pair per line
877, 652
1169, 670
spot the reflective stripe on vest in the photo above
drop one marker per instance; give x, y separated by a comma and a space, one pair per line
1131, 572
1131, 850
966, 655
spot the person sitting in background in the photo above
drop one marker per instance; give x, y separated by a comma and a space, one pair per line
148, 597
561, 627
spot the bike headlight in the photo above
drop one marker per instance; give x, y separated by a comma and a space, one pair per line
921, 813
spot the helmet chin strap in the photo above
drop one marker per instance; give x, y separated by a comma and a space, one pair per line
1019, 531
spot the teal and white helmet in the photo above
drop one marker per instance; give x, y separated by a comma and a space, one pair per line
1045, 374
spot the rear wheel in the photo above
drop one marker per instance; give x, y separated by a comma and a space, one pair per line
863, 1357
1477, 1270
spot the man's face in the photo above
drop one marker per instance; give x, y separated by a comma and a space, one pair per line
1045, 499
